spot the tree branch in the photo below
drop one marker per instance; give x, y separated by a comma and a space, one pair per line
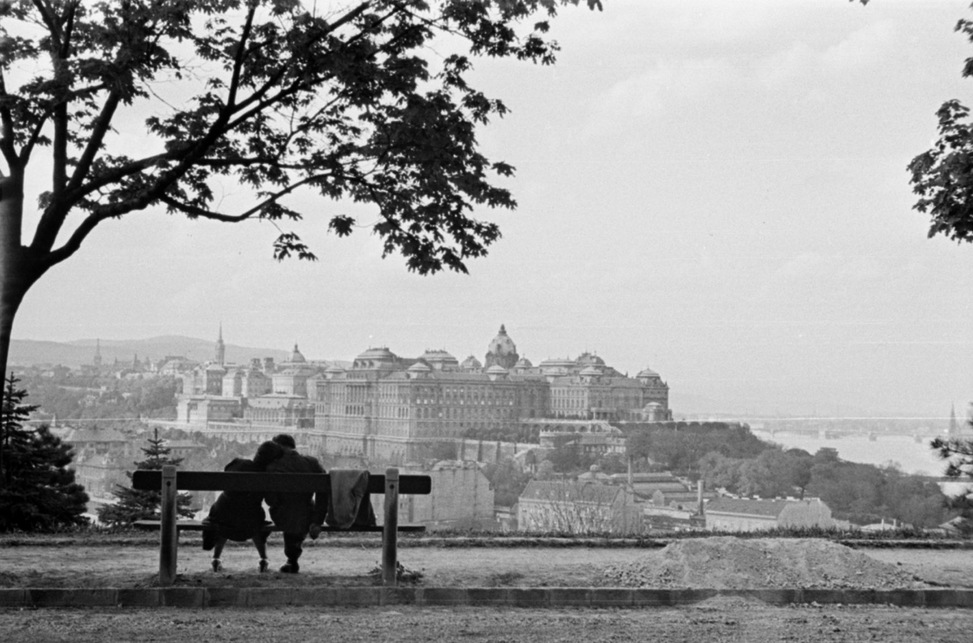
194, 211
99, 129
240, 55
7, 130
74, 243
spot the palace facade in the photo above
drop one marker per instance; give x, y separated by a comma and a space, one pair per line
398, 409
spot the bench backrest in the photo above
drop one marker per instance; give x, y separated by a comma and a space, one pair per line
265, 482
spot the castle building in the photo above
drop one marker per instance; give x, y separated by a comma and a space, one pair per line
398, 409
393, 408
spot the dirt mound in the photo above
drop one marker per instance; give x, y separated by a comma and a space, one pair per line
735, 563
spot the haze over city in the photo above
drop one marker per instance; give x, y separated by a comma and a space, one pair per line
715, 191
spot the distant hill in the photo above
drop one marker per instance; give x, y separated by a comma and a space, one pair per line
27, 352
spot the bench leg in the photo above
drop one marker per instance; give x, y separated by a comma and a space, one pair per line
169, 536
390, 528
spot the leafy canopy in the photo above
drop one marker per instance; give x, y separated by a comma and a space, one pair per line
942, 176
362, 102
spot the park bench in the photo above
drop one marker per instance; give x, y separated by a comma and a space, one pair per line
169, 482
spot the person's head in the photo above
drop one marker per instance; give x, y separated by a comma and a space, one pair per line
285, 440
267, 453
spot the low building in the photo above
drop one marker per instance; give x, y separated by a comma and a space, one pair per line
194, 412
461, 498
743, 514
577, 508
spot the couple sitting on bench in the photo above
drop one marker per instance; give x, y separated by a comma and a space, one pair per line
239, 516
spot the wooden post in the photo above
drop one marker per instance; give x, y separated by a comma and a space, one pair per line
168, 535
390, 527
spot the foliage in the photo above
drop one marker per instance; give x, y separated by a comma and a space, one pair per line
138, 504
361, 103
120, 400
679, 446
14, 438
958, 454
38, 491
942, 176
860, 493
508, 481
525, 434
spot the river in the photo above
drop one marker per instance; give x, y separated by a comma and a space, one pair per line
911, 456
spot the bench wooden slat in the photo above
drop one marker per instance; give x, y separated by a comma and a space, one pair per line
263, 482
197, 525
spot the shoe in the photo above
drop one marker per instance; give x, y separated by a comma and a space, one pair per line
217, 565
290, 567
264, 565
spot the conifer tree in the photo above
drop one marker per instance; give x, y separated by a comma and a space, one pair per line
958, 454
137, 504
37, 490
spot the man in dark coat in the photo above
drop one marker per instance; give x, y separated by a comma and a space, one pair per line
239, 515
297, 514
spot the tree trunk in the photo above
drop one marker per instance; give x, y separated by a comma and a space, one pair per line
19, 267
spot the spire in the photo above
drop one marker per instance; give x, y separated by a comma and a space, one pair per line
953, 431
220, 348
97, 359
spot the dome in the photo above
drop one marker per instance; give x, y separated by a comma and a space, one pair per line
589, 371
502, 344
334, 368
419, 367
523, 362
439, 359
648, 372
296, 357
381, 354
588, 359
471, 362
496, 369
374, 358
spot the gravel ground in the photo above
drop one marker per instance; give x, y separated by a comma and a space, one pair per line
726, 620
136, 565
721, 619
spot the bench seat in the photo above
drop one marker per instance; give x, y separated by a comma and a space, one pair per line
169, 481
197, 525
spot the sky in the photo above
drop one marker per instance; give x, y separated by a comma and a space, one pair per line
714, 190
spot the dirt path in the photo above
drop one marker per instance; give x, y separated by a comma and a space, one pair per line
729, 620
136, 565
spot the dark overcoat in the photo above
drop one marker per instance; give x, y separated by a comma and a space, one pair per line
238, 515
294, 513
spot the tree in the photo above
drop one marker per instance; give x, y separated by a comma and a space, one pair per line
137, 504
508, 481
14, 438
942, 176
348, 101
958, 454
37, 490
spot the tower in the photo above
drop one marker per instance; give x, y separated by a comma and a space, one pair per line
97, 358
502, 351
220, 348
953, 431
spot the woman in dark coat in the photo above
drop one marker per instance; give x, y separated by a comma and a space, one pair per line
239, 515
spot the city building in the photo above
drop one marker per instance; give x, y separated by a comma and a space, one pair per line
743, 514
577, 507
403, 409
461, 498
397, 409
